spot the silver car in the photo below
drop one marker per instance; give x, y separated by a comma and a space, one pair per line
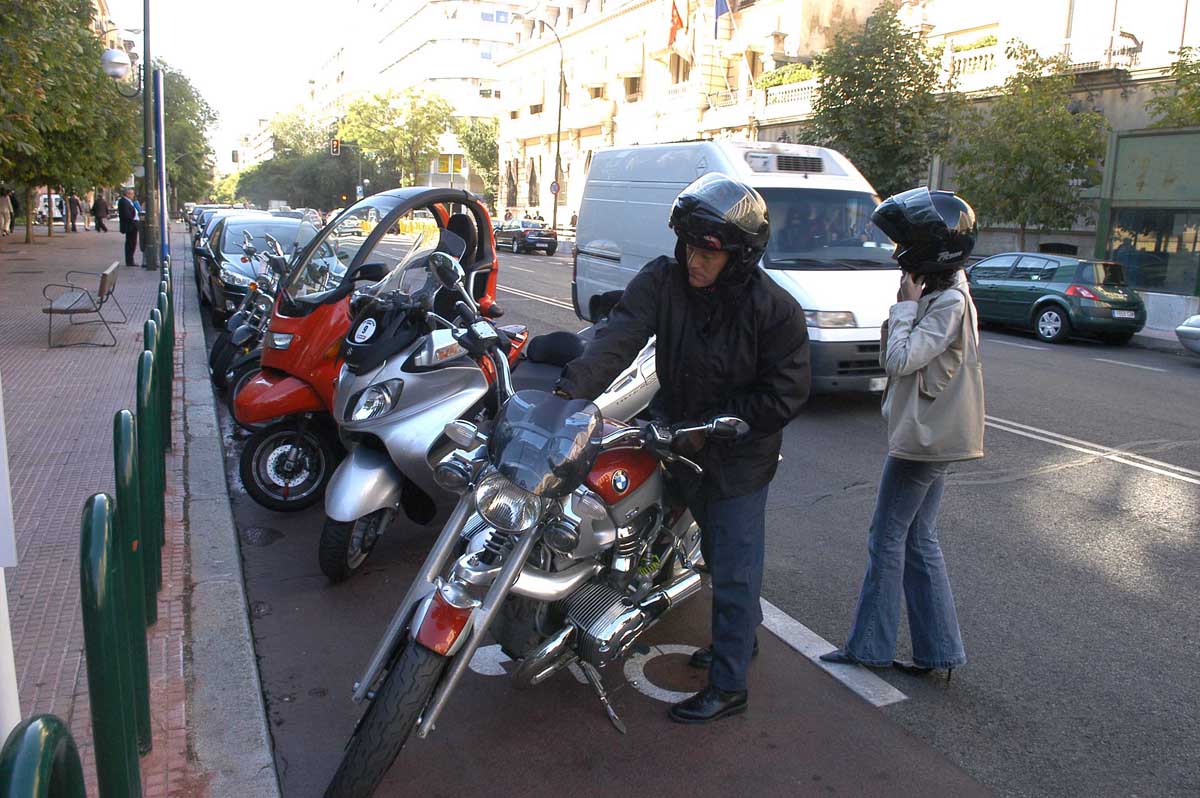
1189, 334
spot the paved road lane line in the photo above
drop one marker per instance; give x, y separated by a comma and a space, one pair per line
519, 269
1014, 343
804, 640
1107, 454
1130, 365
1099, 446
558, 303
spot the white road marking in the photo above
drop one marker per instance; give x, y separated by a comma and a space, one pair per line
1097, 450
558, 303
635, 673
1014, 343
519, 269
804, 640
1131, 365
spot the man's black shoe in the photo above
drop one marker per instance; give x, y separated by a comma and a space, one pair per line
702, 657
710, 704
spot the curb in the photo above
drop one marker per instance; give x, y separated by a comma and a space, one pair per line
1169, 345
229, 733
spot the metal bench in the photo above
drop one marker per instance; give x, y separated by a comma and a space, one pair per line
74, 300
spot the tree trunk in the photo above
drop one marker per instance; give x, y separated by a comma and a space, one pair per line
1021, 237
28, 215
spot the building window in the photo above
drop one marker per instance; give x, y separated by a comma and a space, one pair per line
535, 109
633, 89
596, 92
496, 93
533, 186
487, 16
514, 114
485, 53
510, 184
1158, 248
502, 17
485, 92
681, 69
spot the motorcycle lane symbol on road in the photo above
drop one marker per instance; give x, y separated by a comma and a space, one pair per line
490, 661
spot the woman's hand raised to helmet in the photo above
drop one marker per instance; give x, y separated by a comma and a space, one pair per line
910, 287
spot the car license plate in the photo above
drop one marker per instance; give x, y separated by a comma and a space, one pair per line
877, 384
1124, 314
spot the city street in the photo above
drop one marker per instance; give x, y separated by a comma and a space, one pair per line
1071, 548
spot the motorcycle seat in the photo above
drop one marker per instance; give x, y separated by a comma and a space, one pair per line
555, 349
531, 376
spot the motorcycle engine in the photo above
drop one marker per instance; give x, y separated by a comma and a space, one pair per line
607, 620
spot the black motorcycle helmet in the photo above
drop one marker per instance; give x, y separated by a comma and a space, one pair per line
719, 213
934, 231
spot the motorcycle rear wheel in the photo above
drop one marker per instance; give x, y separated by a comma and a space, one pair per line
388, 722
339, 555
218, 358
263, 456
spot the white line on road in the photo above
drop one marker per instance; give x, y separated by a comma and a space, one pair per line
558, 303
1014, 343
1131, 365
1097, 450
804, 640
519, 269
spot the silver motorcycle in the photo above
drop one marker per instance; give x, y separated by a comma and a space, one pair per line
405, 377
567, 543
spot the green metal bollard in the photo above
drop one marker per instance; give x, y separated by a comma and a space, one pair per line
167, 309
114, 731
129, 534
149, 460
40, 760
160, 373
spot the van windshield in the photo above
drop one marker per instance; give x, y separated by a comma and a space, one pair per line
822, 229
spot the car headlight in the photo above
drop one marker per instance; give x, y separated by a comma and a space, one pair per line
230, 276
376, 400
505, 506
830, 318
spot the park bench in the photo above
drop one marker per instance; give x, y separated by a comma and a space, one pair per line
74, 300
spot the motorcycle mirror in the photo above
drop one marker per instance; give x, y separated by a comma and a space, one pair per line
462, 433
373, 272
727, 428
242, 334
449, 272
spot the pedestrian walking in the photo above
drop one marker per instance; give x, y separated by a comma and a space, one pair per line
129, 215
75, 209
6, 212
100, 211
86, 201
934, 409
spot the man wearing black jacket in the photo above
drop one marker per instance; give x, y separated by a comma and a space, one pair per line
127, 212
729, 342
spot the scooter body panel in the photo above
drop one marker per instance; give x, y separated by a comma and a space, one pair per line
364, 482
272, 394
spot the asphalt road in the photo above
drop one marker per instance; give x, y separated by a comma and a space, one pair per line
1074, 569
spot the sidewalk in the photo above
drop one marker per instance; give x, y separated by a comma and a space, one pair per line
59, 405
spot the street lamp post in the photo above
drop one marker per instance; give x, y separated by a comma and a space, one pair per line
562, 84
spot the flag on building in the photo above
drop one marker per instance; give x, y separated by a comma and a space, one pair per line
721, 7
676, 23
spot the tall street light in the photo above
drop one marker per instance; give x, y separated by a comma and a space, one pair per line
562, 84
116, 65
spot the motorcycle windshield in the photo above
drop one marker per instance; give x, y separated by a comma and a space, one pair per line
545, 444
412, 276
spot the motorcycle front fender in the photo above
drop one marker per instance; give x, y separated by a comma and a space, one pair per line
242, 334
273, 394
364, 482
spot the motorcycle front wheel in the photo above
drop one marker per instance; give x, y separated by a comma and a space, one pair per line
242, 375
388, 722
345, 546
218, 358
284, 473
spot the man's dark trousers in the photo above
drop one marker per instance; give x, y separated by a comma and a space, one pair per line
131, 244
733, 541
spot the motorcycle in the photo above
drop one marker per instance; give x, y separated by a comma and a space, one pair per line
235, 347
404, 378
566, 545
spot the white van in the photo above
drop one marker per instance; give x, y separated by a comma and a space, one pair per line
43, 208
823, 250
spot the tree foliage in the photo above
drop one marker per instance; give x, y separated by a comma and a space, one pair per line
1177, 104
400, 129
187, 117
315, 180
1022, 159
877, 101
296, 133
788, 73
480, 137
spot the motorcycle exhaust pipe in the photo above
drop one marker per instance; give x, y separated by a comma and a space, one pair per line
619, 633
547, 659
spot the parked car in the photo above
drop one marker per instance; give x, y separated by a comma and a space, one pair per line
228, 270
1057, 296
526, 235
1189, 334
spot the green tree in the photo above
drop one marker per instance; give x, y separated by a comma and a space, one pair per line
1177, 104
877, 101
226, 189
187, 117
296, 133
480, 137
401, 129
1022, 159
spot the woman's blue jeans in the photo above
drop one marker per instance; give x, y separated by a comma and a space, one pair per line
904, 554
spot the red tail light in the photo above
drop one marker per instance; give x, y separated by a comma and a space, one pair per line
1082, 292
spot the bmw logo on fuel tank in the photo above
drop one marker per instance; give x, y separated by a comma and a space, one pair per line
364, 331
620, 481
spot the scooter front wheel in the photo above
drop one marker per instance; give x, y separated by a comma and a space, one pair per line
345, 546
285, 469
242, 375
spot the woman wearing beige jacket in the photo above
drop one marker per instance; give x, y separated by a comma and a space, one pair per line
934, 408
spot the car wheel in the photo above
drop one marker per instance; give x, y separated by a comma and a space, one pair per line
516, 248
1052, 324
1117, 339
551, 250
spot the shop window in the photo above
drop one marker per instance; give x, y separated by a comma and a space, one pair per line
1158, 249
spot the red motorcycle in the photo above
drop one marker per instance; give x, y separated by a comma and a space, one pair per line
286, 465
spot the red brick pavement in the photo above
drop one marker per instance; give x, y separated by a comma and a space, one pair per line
59, 405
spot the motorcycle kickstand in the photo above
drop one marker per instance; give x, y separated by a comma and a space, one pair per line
593, 677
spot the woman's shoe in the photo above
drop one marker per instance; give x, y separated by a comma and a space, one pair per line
839, 657
913, 669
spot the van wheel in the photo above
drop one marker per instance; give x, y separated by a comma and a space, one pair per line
1052, 324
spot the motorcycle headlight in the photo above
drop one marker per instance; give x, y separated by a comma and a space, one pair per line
830, 318
376, 400
230, 276
505, 506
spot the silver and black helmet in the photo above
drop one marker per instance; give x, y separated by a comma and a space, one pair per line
934, 231
719, 213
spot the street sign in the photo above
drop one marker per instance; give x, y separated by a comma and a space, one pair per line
335, 146
554, 188
358, 191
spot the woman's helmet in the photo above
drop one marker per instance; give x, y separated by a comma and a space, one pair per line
719, 213
934, 231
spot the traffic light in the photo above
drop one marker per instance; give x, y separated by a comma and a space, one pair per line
335, 146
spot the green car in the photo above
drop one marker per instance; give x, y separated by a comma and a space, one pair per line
1057, 296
